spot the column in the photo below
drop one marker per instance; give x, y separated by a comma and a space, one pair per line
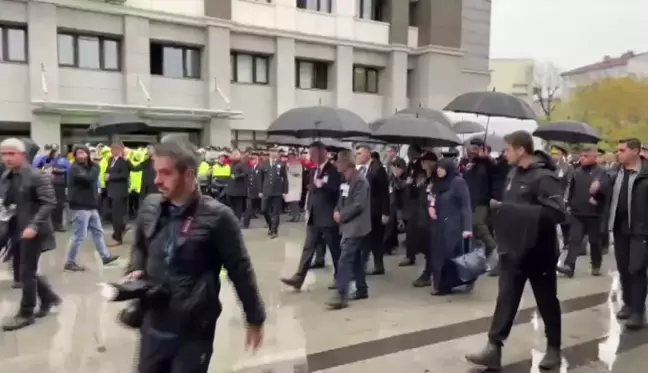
46, 129
137, 66
283, 77
438, 78
440, 22
398, 22
217, 72
343, 77
395, 97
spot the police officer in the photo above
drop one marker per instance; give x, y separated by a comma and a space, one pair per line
254, 178
274, 187
525, 229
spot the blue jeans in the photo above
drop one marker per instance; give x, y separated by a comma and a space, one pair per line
82, 221
351, 266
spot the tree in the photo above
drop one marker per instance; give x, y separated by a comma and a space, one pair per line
546, 87
617, 107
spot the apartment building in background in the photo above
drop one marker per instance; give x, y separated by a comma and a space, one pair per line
513, 76
221, 71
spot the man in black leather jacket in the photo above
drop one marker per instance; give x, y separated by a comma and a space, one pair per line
182, 240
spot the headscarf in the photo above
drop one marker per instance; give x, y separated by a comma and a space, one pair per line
442, 184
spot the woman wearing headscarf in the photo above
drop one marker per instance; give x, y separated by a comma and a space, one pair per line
451, 224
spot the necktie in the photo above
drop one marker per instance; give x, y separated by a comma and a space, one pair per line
363, 170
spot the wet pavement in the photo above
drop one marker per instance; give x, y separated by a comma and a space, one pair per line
399, 328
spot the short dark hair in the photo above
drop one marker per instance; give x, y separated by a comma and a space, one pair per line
520, 139
363, 146
183, 153
477, 141
632, 142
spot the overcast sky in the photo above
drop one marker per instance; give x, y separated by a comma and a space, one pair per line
569, 33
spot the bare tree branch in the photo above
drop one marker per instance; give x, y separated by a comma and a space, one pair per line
546, 87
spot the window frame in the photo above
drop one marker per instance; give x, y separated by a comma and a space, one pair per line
366, 71
4, 42
184, 48
102, 50
234, 56
316, 64
320, 7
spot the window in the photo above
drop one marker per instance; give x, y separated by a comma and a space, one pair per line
249, 68
13, 44
175, 61
311, 74
369, 9
317, 5
365, 79
89, 51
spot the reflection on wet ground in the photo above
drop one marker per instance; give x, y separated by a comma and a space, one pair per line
399, 328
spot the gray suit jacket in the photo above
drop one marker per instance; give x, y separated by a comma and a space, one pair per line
354, 205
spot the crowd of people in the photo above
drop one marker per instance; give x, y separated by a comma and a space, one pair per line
353, 203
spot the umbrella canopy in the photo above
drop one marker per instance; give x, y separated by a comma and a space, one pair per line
331, 144
496, 143
319, 122
118, 123
569, 131
405, 129
363, 140
426, 113
466, 126
492, 104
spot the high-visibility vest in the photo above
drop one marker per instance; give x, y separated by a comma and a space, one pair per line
204, 169
221, 171
103, 167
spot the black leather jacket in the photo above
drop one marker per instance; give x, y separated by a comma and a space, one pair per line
208, 237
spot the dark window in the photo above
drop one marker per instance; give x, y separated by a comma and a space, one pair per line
365, 79
175, 61
249, 68
89, 51
311, 74
13, 43
369, 9
317, 5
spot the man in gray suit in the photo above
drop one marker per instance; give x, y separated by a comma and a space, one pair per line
353, 213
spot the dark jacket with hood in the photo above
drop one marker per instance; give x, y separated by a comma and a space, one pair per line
532, 205
83, 188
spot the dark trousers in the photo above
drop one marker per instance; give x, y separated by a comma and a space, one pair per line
15, 260
320, 252
391, 231
315, 236
252, 207
375, 244
160, 354
579, 227
118, 208
59, 208
564, 228
34, 287
351, 266
481, 228
417, 240
271, 206
293, 209
133, 204
541, 273
237, 203
630, 254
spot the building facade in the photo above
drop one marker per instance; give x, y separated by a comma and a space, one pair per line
513, 76
222, 70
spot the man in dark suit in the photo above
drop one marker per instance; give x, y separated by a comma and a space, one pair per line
31, 191
376, 175
254, 183
237, 187
274, 187
117, 190
323, 191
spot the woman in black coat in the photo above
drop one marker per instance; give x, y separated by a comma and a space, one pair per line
451, 224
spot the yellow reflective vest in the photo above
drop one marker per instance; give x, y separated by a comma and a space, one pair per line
221, 170
135, 177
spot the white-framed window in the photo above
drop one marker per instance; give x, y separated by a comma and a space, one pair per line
369, 9
316, 5
175, 61
250, 68
311, 74
88, 51
365, 79
13, 43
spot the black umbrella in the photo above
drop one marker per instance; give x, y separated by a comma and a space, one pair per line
426, 113
363, 140
496, 143
405, 129
319, 122
330, 144
569, 131
465, 127
118, 123
491, 104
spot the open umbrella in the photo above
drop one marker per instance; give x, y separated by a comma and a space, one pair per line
496, 143
426, 113
331, 144
405, 129
569, 131
466, 126
319, 122
118, 123
363, 140
491, 104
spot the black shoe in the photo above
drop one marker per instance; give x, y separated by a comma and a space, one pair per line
490, 357
421, 282
318, 264
273, 235
624, 313
269, 232
407, 262
636, 321
16, 285
295, 282
332, 286
73, 267
552, 359
45, 308
565, 270
337, 302
596, 272
17, 322
360, 295
109, 260
442, 292
376, 272
605, 251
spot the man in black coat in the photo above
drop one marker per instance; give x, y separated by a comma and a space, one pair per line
31, 191
379, 186
237, 187
323, 192
275, 186
117, 179
148, 175
254, 181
